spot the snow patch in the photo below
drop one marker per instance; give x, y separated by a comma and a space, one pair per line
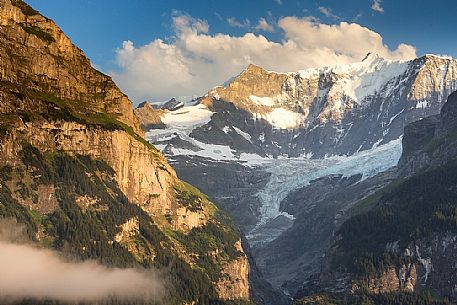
262, 137
264, 101
281, 118
205, 150
395, 116
426, 262
421, 105
187, 118
243, 134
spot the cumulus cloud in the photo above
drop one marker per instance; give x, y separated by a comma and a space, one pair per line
376, 6
195, 60
263, 25
30, 272
184, 23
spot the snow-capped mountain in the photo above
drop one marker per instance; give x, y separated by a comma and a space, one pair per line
259, 115
336, 110
316, 123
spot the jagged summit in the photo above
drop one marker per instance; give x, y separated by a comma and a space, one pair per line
172, 104
253, 68
337, 89
436, 56
145, 104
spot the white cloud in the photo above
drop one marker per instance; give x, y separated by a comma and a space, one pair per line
186, 23
328, 13
263, 25
195, 61
376, 6
233, 22
279, 2
31, 272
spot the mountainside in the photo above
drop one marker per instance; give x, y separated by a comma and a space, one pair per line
260, 115
314, 113
256, 144
75, 169
403, 237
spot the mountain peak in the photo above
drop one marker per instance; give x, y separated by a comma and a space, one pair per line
253, 69
435, 56
145, 105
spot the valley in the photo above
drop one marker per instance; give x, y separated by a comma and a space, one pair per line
332, 184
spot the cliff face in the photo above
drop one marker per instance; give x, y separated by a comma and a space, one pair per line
427, 263
37, 54
431, 266
57, 109
141, 172
234, 284
430, 141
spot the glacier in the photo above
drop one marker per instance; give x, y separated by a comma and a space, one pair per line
288, 174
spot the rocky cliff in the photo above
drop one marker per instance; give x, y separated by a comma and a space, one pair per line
61, 118
38, 55
430, 141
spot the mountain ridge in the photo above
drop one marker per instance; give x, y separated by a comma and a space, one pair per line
342, 108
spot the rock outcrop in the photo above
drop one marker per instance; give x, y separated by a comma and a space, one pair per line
38, 55
430, 141
149, 117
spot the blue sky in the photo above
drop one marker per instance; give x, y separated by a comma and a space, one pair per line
100, 27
